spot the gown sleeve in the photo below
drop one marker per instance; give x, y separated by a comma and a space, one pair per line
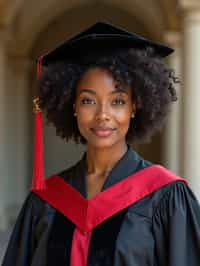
21, 244
176, 226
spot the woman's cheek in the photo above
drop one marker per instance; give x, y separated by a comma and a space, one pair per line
122, 115
87, 112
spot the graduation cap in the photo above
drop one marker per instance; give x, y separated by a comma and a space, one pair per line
99, 37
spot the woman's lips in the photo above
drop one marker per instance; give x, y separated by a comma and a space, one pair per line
102, 132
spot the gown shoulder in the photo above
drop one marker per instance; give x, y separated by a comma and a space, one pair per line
176, 227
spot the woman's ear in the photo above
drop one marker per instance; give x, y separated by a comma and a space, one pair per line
74, 110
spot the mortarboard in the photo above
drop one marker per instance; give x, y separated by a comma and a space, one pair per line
100, 36
97, 38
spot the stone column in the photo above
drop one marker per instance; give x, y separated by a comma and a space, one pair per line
191, 97
20, 122
172, 129
3, 137
15, 113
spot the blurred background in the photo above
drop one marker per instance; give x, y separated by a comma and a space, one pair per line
31, 28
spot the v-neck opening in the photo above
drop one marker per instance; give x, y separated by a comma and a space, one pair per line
128, 164
106, 181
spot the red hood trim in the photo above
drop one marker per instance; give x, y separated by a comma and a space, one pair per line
86, 214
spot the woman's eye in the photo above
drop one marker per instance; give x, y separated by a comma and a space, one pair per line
119, 102
87, 101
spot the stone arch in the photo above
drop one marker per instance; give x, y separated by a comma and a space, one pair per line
26, 25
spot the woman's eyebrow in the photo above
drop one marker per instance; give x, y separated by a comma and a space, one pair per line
112, 92
87, 90
119, 91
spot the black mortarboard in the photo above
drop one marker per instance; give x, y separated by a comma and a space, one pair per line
102, 36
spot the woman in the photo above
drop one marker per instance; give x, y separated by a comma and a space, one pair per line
113, 207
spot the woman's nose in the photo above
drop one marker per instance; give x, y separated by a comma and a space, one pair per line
102, 112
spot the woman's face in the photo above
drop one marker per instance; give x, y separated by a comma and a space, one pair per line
103, 111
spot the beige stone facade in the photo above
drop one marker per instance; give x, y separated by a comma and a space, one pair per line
30, 28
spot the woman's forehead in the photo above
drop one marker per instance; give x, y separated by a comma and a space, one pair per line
95, 79
96, 73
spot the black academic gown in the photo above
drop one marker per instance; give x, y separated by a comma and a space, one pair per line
162, 229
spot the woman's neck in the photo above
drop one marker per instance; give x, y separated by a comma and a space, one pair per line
101, 161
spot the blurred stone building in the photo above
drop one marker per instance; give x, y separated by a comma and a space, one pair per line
30, 28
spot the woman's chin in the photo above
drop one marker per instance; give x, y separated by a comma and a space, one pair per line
101, 143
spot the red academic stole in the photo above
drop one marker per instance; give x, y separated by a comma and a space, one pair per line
87, 214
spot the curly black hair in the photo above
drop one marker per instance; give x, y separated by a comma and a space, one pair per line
152, 82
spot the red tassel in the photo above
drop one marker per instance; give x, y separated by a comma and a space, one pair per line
38, 180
